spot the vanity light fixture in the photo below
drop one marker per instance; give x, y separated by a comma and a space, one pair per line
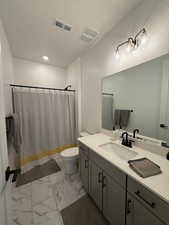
133, 43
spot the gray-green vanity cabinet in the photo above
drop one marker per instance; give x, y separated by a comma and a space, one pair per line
105, 184
114, 198
84, 168
137, 214
145, 202
108, 195
107, 187
122, 200
95, 184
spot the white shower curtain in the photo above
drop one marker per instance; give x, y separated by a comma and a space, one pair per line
47, 119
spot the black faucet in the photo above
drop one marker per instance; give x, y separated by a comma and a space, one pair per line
134, 132
126, 141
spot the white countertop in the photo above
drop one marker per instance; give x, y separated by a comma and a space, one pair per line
159, 184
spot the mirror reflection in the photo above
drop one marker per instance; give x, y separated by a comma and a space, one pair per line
138, 98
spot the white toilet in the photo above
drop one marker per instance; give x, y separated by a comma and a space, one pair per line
70, 158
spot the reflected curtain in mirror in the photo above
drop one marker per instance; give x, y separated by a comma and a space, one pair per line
107, 111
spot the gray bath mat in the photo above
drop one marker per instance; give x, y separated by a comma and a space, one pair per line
38, 172
83, 212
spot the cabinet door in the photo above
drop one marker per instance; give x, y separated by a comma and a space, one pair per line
95, 184
84, 170
113, 201
137, 214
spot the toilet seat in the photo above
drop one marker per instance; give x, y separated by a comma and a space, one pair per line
70, 153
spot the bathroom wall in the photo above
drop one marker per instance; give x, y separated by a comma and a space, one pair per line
6, 76
7, 69
74, 74
37, 74
74, 78
100, 61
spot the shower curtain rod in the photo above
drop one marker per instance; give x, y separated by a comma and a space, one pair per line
24, 86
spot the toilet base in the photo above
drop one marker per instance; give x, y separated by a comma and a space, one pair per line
70, 166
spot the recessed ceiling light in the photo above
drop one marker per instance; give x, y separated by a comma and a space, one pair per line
45, 58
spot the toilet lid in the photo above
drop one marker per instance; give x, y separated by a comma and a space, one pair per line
70, 152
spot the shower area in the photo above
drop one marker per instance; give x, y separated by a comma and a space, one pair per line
43, 124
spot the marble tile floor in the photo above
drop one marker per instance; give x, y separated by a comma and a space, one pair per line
40, 202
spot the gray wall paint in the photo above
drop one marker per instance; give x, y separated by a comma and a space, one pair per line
139, 88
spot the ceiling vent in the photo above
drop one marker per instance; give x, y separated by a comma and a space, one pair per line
89, 35
67, 27
86, 38
63, 26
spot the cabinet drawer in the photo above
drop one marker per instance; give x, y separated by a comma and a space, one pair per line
154, 203
83, 148
110, 169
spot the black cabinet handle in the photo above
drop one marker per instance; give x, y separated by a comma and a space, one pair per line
100, 177
163, 125
86, 163
151, 204
104, 182
128, 206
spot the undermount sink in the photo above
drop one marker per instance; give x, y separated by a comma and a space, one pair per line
122, 152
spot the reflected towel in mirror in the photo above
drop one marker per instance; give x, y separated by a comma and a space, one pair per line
121, 118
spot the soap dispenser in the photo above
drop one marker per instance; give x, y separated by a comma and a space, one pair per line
116, 134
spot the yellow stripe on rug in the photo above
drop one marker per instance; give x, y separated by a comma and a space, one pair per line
41, 155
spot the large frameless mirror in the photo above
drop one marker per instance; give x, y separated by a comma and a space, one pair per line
138, 98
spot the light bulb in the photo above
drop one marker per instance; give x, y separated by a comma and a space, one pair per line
143, 40
45, 58
117, 55
129, 48
143, 37
130, 45
136, 45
